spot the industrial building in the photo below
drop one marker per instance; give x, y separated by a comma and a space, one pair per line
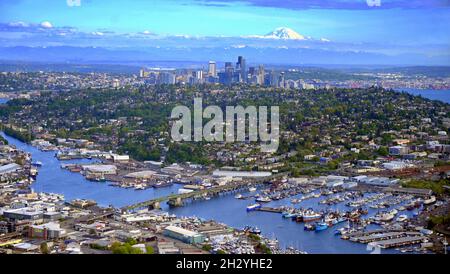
184, 235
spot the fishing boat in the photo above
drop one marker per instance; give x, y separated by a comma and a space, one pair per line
311, 216
321, 226
288, 215
253, 207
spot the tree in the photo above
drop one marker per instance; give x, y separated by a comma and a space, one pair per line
44, 248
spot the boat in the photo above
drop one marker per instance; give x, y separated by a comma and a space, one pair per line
429, 201
309, 217
37, 163
252, 230
386, 217
263, 199
339, 231
238, 196
310, 227
139, 187
252, 189
402, 218
321, 226
393, 212
288, 214
253, 207
162, 184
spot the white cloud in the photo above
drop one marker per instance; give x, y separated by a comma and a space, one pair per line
46, 25
18, 24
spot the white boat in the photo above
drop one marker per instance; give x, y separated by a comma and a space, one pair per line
429, 201
386, 217
252, 189
393, 212
402, 218
253, 207
238, 196
263, 199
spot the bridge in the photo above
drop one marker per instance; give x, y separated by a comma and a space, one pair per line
177, 199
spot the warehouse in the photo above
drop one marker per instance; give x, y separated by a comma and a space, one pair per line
184, 235
9, 168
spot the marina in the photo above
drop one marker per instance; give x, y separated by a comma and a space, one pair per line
329, 206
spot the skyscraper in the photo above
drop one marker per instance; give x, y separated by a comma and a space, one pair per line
212, 69
261, 74
241, 66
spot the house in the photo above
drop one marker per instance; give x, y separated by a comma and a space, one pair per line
398, 150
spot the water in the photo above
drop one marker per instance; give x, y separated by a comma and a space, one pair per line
225, 208
441, 95
52, 178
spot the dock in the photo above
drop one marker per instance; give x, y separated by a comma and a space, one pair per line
270, 209
383, 236
410, 240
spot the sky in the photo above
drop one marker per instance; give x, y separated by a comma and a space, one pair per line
403, 26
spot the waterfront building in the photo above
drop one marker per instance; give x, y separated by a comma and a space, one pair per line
184, 235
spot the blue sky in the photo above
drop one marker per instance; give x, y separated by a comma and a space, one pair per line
339, 20
392, 27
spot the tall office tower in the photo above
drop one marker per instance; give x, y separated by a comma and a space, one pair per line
199, 74
142, 73
261, 75
212, 69
228, 67
281, 82
273, 79
241, 66
167, 77
252, 71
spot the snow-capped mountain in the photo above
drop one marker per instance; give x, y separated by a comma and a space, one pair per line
285, 33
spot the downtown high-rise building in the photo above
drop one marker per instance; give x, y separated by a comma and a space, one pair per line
212, 69
242, 68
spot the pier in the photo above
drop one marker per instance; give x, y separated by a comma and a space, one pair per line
399, 242
270, 209
177, 199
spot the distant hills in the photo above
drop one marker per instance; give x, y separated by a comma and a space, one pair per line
254, 55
